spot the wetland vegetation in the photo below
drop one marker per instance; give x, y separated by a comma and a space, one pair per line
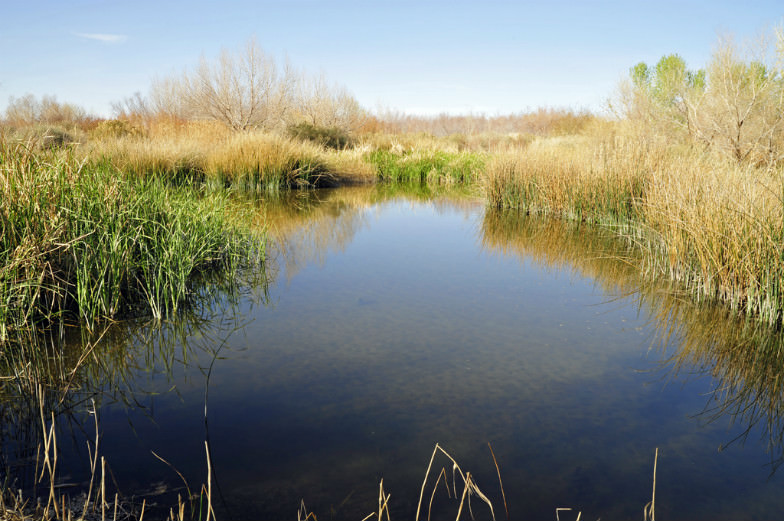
183, 211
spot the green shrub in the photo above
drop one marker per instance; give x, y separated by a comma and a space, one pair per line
330, 137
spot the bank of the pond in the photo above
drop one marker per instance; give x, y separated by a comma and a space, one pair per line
702, 220
82, 240
256, 161
712, 225
119, 226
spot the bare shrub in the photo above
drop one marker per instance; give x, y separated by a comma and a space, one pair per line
741, 113
242, 90
321, 104
28, 110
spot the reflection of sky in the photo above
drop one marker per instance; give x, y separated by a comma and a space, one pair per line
411, 334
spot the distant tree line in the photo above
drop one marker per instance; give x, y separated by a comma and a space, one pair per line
28, 110
543, 121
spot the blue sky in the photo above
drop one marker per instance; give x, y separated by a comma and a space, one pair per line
418, 57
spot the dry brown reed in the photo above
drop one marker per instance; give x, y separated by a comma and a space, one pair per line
252, 160
96, 504
712, 225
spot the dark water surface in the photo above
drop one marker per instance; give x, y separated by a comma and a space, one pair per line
395, 322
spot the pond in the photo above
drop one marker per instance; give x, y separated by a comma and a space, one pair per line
388, 321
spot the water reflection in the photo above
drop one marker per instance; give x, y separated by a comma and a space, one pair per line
68, 374
307, 226
744, 358
392, 333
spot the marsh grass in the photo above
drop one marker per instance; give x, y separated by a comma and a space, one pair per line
428, 166
259, 162
711, 225
573, 178
251, 161
717, 228
83, 240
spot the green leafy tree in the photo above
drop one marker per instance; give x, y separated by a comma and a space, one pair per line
666, 91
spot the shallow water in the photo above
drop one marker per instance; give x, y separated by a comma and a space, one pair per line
392, 322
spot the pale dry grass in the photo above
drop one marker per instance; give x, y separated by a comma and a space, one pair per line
258, 158
210, 152
350, 166
709, 223
145, 156
718, 228
575, 177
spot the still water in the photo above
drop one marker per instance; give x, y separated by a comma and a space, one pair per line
389, 322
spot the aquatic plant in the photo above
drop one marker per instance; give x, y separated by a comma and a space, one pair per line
85, 241
427, 166
712, 225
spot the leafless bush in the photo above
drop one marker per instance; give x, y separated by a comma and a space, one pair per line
247, 90
741, 112
330, 106
243, 90
28, 110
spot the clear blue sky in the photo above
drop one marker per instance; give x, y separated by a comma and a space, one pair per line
415, 56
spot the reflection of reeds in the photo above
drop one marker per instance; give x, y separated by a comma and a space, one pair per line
86, 242
744, 357
94, 503
713, 226
49, 375
304, 227
593, 252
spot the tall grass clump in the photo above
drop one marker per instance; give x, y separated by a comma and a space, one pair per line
573, 178
82, 240
718, 227
703, 220
177, 159
262, 162
427, 166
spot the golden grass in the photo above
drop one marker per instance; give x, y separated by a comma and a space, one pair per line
711, 224
708, 223
258, 159
251, 160
718, 228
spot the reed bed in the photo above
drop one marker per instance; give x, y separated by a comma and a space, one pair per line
712, 225
244, 161
717, 228
573, 177
83, 240
176, 160
263, 162
428, 166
